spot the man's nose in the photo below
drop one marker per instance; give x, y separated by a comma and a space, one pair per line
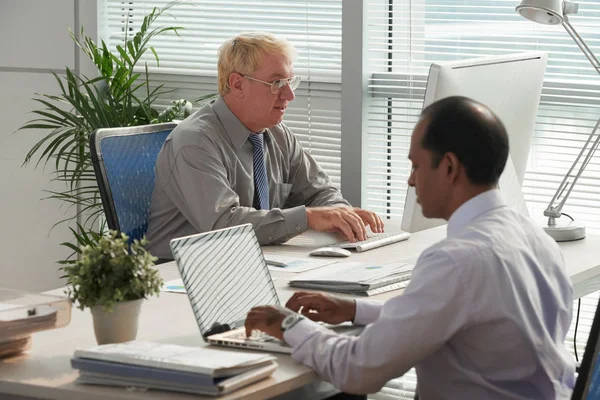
287, 93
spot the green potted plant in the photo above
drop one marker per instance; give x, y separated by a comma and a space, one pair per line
121, 95
112, 278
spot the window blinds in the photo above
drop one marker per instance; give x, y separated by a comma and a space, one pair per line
406, 36
188, 63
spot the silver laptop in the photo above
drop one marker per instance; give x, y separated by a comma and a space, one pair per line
225, 275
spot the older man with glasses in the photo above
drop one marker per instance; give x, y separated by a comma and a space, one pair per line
235, 162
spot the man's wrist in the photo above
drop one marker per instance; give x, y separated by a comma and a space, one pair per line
310, 211
289, 321
352, 310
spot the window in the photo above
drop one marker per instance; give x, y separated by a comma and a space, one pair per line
188, 64
406, 36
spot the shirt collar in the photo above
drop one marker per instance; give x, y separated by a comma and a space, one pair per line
473, 208
237, 132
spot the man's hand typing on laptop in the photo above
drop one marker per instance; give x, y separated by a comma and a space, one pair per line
315, 306
351, 222
267, 319
320, 307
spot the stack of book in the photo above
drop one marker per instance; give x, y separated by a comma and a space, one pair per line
356, 278
150, 365
22, 314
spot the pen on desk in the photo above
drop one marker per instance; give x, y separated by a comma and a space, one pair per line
277, 263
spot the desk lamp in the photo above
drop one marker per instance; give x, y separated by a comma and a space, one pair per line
554, 12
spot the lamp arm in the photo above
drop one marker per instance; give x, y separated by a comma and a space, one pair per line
553, 211
581, 44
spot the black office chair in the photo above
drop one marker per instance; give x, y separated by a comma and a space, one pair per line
124, 161
588, 381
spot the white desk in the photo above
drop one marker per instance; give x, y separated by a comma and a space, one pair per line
582, 257
45, 372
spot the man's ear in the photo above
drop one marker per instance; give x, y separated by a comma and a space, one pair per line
236, 83
453, 166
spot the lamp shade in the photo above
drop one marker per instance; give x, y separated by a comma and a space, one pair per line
549, 12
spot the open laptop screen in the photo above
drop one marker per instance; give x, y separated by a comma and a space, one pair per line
225, 275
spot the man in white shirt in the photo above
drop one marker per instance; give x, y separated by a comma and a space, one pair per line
487, 309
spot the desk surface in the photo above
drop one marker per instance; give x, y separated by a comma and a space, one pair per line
582, 257
45, 372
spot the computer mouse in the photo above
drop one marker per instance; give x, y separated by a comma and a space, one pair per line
330, 252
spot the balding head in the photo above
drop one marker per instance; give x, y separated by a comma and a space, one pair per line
472, 132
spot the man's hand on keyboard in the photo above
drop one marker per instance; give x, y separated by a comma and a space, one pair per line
266, 319
371, 219
349, 221
322, 308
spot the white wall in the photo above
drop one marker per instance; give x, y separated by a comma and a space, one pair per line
35, 42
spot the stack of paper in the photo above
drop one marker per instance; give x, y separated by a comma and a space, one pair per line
24, 313
149, 365
17, 320
9, 347
356, 278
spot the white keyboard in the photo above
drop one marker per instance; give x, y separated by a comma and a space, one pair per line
374, 241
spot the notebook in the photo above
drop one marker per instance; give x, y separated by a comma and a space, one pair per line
357, 278
225, 275
198, 360
222, 387
150, 365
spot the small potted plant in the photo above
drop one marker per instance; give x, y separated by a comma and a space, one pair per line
112, 277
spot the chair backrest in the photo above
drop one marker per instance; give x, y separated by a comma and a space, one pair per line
588, 381
124, 161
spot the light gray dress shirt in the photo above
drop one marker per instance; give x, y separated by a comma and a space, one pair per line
205, 181
484, 317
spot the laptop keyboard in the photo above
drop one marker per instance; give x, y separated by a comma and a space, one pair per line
256, 336
374, 241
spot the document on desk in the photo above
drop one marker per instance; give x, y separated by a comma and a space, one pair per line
220, 386
175, 286
356, 278
288, 263
201, 360
148, 365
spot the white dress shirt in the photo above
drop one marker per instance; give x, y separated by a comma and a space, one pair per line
484, 317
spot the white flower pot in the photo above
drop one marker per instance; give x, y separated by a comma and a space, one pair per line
117, 326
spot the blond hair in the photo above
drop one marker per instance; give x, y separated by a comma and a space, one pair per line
244, 54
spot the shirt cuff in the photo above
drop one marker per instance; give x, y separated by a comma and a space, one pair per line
367, 311
295, 219
296, 335
340, 203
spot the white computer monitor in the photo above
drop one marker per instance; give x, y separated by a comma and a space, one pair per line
510, 86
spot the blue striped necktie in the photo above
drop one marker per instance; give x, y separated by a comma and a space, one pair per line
261, 184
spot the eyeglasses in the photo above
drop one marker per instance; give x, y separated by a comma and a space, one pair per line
279, 84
